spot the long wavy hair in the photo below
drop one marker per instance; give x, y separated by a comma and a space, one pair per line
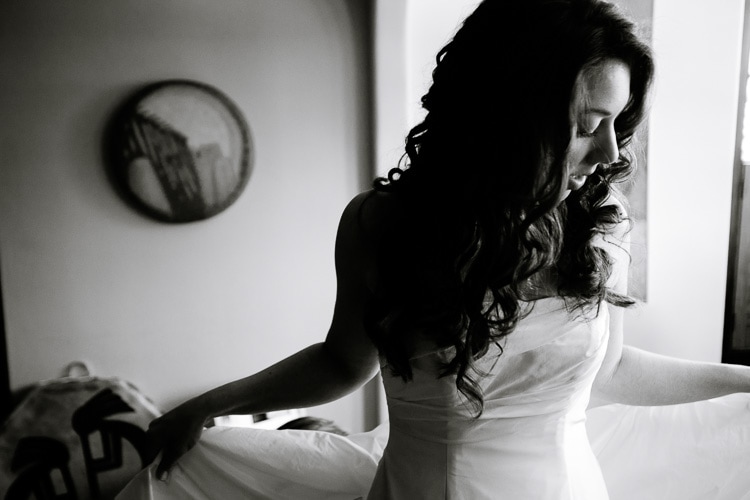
479, 186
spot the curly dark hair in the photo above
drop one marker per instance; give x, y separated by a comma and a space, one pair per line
478, 190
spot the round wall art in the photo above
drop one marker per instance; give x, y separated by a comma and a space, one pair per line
181, 151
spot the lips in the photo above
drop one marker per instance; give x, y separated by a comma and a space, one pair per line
576, 181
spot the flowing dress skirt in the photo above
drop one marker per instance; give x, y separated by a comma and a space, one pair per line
696, 451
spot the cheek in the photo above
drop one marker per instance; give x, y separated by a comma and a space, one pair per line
576, 154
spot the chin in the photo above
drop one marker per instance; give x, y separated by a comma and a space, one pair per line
563, 196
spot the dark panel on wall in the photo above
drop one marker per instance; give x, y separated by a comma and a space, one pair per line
5, 398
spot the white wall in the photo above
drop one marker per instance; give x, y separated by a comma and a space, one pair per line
691, 154
432, 24
391, 30
691, 151
175, 309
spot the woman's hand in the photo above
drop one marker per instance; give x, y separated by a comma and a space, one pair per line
174, 433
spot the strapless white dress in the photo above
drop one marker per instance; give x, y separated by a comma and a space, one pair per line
529, 442
532, 440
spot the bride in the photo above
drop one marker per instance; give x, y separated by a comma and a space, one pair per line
485, 278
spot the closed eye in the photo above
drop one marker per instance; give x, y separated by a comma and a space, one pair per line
587, 127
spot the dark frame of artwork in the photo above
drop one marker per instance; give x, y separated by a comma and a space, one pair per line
179, 151
6, 397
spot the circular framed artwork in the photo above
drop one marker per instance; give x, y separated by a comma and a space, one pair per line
181, 151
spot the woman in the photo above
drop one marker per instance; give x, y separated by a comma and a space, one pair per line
486, 276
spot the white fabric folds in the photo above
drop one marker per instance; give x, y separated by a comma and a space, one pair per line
696, 451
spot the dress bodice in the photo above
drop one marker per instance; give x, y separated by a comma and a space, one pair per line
529, 441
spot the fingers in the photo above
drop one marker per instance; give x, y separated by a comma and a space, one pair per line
154, 442
172, 441
153, 453
170, 454
157, 443
168, 459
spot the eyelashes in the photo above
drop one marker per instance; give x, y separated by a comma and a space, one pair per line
581, 132
587, 128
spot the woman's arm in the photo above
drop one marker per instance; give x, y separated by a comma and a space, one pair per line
318, 374
648, 379
632, 376
325, 371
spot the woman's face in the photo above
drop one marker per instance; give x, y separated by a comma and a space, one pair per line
601, 94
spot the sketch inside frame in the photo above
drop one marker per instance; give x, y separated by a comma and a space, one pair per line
185, 151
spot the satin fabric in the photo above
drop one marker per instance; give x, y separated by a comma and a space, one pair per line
534, 440
530, 440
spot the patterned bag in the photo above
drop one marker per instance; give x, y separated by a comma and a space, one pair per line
76, 437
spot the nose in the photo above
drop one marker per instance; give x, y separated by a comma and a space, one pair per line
607, 149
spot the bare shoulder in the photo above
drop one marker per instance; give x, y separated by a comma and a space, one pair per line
367, 215
363, 225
